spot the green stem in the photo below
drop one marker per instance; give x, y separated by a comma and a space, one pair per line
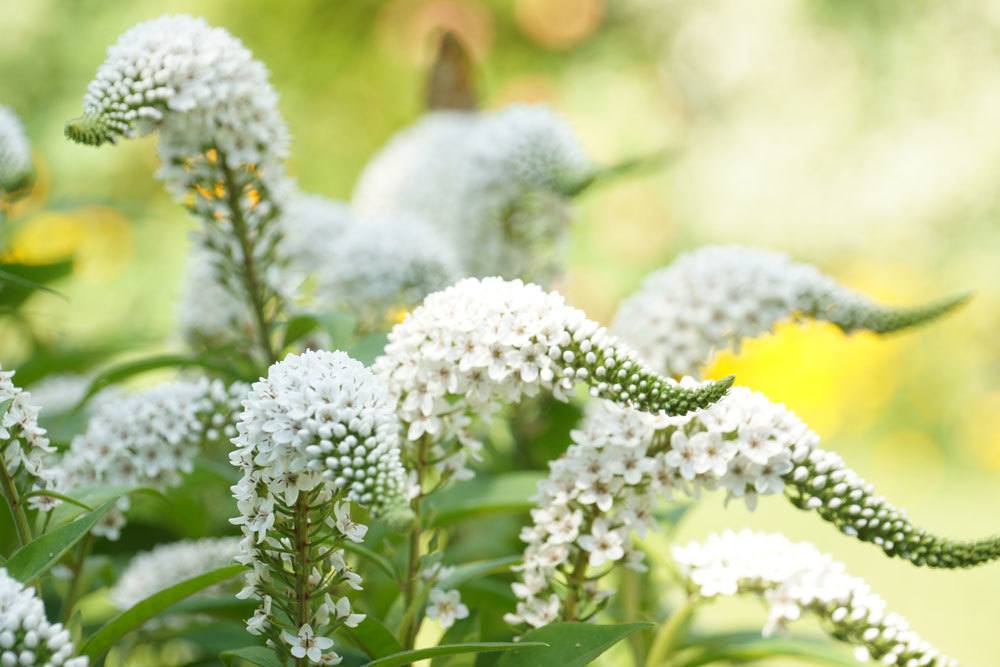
626, 167
302, 592
631, 603
21, 525
410, 624
670, 632
73, 592
248, 267
575, 584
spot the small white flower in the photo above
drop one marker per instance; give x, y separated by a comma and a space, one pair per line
306, 644
446, 607
602, 544
355, 532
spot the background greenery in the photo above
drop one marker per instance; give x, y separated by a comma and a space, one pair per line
860, 135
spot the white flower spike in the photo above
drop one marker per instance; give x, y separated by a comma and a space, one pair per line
715, 297
794, 578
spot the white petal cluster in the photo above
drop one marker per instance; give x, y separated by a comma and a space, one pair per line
316, 434
482, 343
168, 564
26, 636
382, 267
492, 183
147, 438
795, 577
24, 445
198, 85
211, 311
713, 298
311, 227
15, 151
622, 463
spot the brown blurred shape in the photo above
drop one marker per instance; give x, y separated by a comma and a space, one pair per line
451, 80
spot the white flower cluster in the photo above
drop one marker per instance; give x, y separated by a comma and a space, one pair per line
482, 343
24, 445
147, 438
168, 564
713, 298
15, 151
26, 636
382, 267
316, 434
493, 184
198, 85
795, 577
210, 312
621, 464
311, 227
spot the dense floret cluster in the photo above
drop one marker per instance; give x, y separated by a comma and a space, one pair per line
316, 434
15, 152
147, 438
715, 297
26, 636
795, 577
494, 184
24, 446
152, 571
483, 343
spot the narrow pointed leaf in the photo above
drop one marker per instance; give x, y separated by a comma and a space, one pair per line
35, 558
479, 568
256, 655
569, 644
133, 618
372, 637
408, 657
751, 647
501, 494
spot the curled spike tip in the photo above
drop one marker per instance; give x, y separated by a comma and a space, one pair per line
884, 320
89, 129
822, 483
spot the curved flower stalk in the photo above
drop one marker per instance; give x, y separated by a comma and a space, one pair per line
168, 564
15, 154
622, 463
795, 577
495, 184
24, 450
316, 435
26, 636
713, 298
222, 140
147, 438
482, 343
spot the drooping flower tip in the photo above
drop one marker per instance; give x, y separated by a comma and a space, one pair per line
795, 577
712, 298
15, 152
197, 83
26, 636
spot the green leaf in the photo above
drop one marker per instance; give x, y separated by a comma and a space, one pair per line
372, 637
133, 618
95, 496
407, 657
569, 644
480, 568
127, 369
35, 558
219, 607
257, 655
750, 646
299, 327
368, 348
364, 552
501, 494
20, 281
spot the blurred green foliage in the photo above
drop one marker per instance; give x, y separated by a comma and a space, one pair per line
858, 135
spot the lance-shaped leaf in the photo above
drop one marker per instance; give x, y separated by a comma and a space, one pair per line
711, 299
408, 657
133, 618
568, 644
